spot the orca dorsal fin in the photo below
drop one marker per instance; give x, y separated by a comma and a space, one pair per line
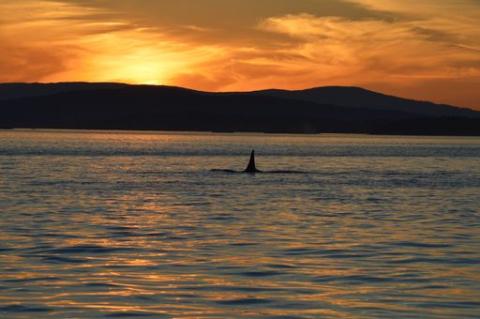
251, 168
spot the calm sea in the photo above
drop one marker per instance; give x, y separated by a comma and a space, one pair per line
136, 225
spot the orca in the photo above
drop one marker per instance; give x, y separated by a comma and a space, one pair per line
251, 168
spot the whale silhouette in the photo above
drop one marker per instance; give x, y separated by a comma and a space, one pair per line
251, 168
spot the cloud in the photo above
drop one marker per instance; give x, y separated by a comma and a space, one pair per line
393, 46
30, 63
451, 21
57, 41
403, 53
31, 52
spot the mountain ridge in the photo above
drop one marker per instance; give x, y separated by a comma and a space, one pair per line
60, 87
121, 106
361, 97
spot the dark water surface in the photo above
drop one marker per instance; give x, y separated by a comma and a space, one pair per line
135, 225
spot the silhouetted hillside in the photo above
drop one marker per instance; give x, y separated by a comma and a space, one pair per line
361, 98
23, 90
119, 106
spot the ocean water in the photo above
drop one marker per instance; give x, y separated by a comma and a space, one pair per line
136, 225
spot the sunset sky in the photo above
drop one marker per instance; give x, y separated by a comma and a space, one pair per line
422, 49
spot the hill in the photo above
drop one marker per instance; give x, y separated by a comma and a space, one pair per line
140, 107
362, 98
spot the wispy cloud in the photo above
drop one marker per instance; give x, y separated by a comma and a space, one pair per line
401, 54
402, 47
59, 41
396, 48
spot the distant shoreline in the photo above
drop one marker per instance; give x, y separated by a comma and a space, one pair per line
177, 132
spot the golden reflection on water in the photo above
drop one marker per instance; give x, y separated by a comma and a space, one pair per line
131, 224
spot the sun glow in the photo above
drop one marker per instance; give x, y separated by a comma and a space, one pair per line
132, 56
143, 66
427, 54
136, 56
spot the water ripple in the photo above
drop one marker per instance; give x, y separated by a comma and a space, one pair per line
131, 225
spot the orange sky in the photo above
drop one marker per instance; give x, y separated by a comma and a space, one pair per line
423, 49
